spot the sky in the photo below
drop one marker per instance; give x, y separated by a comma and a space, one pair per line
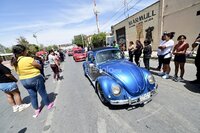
57, 21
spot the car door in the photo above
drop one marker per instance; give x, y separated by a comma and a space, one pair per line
92, 68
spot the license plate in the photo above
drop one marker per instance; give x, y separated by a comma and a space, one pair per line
145, 96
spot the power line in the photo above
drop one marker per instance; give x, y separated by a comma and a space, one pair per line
132, 7
129, 9
119, 9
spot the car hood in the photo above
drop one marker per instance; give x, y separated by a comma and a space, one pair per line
127, 74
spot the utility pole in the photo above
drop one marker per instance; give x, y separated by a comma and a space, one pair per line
96, 15
125, 8
82, 41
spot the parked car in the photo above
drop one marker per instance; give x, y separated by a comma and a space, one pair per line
79, 55
116, 80
70, 52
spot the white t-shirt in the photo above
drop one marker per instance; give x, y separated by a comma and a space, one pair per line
159, 52
51, 59
169, 46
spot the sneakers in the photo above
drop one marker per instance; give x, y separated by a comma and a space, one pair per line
15, 108
161, 74
178, 79
175, 78
50, 106
37, 112
23, 106
166, 76
20, 107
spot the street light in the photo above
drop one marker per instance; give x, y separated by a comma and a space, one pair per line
35, 36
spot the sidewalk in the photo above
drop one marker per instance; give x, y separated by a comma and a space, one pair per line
154, 56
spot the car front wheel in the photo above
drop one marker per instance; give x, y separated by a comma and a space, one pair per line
100, 94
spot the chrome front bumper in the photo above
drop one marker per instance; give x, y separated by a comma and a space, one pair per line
135, 100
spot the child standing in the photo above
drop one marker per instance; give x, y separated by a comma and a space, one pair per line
147, 53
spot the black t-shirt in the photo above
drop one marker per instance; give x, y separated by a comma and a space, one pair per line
4, 70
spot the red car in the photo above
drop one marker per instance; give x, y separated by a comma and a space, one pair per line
79, 55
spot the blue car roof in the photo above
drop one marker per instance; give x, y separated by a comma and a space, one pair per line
96, 50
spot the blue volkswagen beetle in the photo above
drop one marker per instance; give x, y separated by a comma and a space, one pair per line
116, 80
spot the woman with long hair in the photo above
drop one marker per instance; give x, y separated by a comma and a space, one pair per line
138, 52
54, 64
131, 49
29, 74
180, 57
9, 86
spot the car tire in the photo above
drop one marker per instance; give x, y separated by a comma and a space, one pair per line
100, 94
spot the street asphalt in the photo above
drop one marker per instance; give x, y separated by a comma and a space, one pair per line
176, 108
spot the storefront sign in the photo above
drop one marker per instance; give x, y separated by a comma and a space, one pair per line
143, 18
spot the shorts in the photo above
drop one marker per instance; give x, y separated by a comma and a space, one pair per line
8, 87
166, 61
180, 58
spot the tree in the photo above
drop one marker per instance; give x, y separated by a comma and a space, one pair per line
4, 49
54, 47
99, 40
8, 50
79, 40
41, 47
32, 49
22, 40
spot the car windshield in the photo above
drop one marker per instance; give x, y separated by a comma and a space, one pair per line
108, 55
79, 51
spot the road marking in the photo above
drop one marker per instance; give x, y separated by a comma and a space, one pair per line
101, 125
153, 113
47, 125
120, 121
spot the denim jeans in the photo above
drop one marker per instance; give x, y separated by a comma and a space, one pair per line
146, 63
8, 87
34, 85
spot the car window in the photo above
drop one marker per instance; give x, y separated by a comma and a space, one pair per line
90, 57
108, 55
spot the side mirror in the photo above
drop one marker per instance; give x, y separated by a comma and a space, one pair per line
91, 65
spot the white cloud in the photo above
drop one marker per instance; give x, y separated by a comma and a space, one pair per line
52, 29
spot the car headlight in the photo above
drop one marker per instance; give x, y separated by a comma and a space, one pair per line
116, 89
151, 79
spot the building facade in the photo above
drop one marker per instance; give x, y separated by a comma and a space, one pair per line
180, 16
140, 26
